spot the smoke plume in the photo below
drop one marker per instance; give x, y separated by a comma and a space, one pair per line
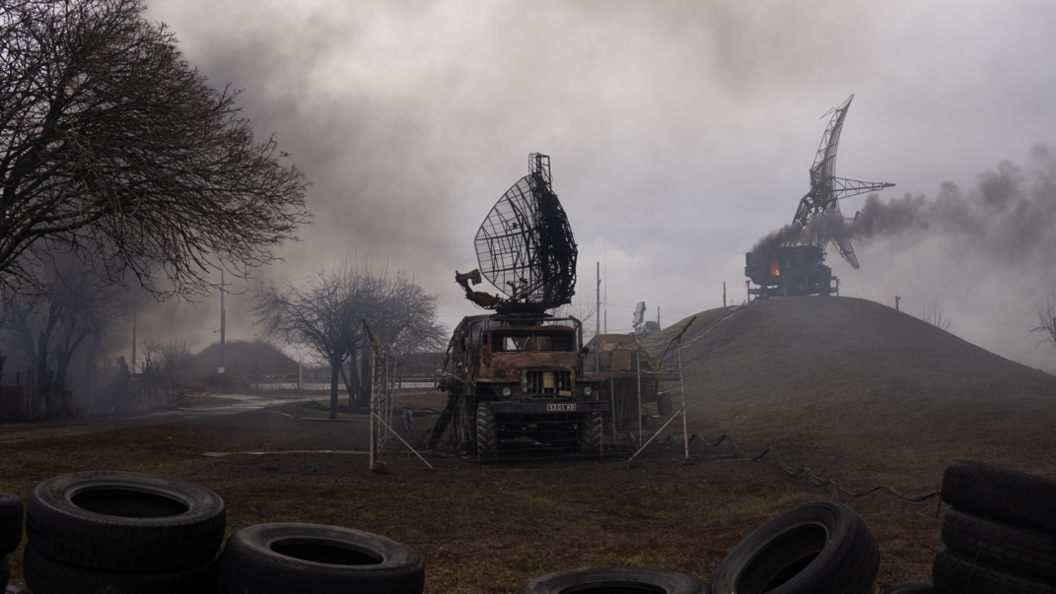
1008, 216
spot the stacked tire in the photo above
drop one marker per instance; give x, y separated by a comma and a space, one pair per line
1000, 533
291, 558
10, 533
122, 532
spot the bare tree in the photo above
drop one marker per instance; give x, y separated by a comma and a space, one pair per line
408, 323
115, 149
326, 316
162, 373
1046, 312
73, 307
584, 311
934, 314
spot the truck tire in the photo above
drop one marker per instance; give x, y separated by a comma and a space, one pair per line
909, 588
289, 558
487, 433
10, 523
624, 580
816, 547
1001, 545
125, 522
48, 576
5, 572
592, 431
954, 573
1001, 494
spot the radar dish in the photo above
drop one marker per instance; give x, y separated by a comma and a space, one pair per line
525, 246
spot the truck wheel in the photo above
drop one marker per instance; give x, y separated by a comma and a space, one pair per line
1002, 494
125, 522
487, 433
285, 557
592, 430
10, 523
626, 580
1029, 552
54, 577
816, 547
957, 574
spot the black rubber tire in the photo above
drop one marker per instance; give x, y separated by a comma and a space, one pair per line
125, 522
5, 573
487, 433
592, 433
47, 576
289, 558
909, 588
10, 523
1001, 494
1030, 552
954, 573
816, 547
614, 580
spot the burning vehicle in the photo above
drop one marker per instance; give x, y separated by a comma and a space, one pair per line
791, 261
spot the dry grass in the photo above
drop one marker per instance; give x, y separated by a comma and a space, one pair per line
480, 529
847, 387
891, 397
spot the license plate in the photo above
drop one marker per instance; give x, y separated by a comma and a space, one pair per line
561, 408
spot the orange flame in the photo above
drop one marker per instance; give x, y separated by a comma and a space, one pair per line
774, 270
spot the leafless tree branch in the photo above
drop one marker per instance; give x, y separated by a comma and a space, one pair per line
115, 149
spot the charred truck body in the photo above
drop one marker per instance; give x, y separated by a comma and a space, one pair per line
792, 263
517, 374
788, 271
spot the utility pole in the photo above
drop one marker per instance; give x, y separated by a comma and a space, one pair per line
597, 308
897, 298
723, 294
135, 311
223, 324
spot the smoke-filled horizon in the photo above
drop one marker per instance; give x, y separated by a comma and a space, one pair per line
679, 134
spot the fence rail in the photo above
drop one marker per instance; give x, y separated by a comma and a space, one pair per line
323, 384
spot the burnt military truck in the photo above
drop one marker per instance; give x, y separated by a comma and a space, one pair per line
519, 378
788, 271
517, 375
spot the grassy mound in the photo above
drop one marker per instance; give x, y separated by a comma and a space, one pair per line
850, 378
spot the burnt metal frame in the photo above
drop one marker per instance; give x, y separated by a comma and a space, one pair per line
826, 189
525, 245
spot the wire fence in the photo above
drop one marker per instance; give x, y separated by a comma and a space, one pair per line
425, 423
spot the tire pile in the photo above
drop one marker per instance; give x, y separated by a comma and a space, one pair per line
129, 533
1000, 534
125, 533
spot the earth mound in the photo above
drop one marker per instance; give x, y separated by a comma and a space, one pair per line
850, 378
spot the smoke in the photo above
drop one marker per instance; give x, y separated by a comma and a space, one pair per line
1008, 217
876, 220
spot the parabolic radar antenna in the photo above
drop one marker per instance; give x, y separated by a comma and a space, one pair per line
794, 266
525, 248
826, 190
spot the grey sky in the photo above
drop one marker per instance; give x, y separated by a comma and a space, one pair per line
680, 133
